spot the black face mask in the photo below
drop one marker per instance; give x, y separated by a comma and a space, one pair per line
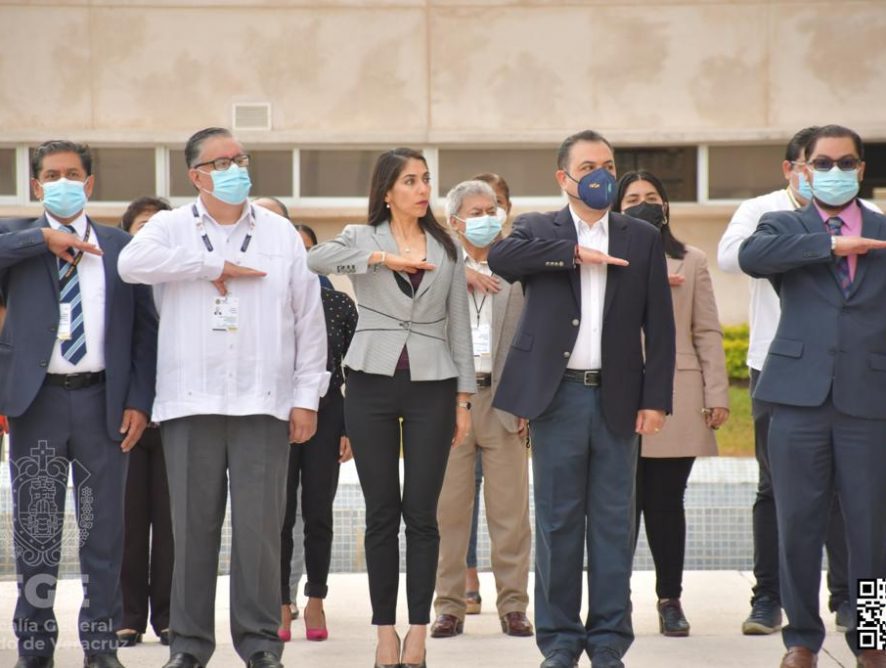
651, 213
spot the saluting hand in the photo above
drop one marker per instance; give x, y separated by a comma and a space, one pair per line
400, 263
232, 270
591, 256
856, 245
481, 283
60, 244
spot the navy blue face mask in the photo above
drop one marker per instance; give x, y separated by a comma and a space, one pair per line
596, 189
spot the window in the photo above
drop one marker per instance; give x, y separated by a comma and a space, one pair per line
529, 172
874, 169
7, 171
331, 173
740, 172
270, 171
676, 166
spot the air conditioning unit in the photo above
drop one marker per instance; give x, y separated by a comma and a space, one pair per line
252, 116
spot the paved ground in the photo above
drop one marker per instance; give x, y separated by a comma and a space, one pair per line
715, 602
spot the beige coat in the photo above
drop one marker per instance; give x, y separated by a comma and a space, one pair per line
700, 379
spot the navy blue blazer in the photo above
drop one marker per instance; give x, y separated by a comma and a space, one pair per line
638, 319
825, 343
29, 285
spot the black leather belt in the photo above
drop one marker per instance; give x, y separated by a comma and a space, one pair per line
592, 378
484, 380
75, 381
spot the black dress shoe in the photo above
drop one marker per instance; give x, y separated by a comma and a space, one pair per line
182, 660
34, 662
263, 660
101, 661
128, 638
559, 659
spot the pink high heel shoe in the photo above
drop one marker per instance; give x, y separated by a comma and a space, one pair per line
316, 634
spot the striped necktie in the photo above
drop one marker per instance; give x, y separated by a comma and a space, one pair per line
835, 227
74, 348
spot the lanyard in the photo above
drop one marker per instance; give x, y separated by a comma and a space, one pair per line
79, 256
792, 198
479, 308
201, 228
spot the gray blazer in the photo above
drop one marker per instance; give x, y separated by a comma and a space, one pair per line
434, 325
507, 306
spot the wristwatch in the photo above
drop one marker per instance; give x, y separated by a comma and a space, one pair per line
833, 243
463, 404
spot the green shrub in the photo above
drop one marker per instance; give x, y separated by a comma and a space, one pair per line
735, 343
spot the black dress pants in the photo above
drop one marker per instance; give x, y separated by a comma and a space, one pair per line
374, 407
146, 574
661, 488
313, 468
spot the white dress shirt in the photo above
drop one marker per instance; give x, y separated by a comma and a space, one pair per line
481, 316
587, 353
276, 358
765, 309
91, 273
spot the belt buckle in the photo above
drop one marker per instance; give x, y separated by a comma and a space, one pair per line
66, 384
589, 379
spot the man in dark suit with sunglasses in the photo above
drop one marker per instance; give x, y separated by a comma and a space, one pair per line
825, 377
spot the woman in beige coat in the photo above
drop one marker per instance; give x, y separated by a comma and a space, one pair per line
701, 399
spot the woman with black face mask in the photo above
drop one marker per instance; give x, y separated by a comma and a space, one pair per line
701, 398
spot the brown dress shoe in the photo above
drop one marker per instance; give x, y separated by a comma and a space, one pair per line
799, 657
872, 658
447, 626
516, 624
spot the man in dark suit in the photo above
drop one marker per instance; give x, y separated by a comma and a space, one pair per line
77, 366
825, 376
597, 302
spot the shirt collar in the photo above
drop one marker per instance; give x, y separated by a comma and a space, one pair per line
79, 224
472, 263
601, 225
850, 210
205, 215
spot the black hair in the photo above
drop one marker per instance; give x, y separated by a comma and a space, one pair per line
138, 206
387, 170
572, 140
834, 131
306, 229
798, 143
195, 142
673, 247
278, 202
60, 146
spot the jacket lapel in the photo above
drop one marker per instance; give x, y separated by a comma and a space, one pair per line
436, 256
813, 224
870, 229
50, 260
564, 228
499, 304
619, 245
109, 261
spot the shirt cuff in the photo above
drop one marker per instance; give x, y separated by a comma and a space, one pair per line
213, 265
309, 390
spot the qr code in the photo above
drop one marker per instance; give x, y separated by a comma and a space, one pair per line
872, 614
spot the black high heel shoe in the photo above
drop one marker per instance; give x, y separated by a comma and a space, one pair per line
424, 659
389, 665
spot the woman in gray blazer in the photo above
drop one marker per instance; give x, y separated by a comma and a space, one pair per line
411, 359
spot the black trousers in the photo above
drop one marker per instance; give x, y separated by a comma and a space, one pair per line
313, 465
661, 488
146, 574
766, 527
374, 407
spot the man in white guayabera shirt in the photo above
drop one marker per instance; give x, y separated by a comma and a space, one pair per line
241, 369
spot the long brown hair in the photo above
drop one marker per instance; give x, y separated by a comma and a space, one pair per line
387, 170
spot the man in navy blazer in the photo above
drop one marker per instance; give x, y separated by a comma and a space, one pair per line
591, 366
825, 376
77, 367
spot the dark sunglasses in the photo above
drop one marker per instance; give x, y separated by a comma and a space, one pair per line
847, 164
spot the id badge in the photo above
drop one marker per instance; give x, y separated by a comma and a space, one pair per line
482, 338
64, 322
225, 315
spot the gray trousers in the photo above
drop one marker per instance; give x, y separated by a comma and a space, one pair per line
203, 454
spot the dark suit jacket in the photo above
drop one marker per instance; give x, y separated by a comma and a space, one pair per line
29, 284
825, 342
540, 252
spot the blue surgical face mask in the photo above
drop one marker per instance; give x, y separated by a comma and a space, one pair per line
64, 198
596, 189
481, 231
803, 189
836, 187
232, 185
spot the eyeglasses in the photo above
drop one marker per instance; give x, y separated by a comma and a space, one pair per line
847, 164
222, 164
